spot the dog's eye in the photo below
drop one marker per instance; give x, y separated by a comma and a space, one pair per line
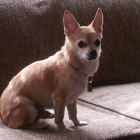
82, 44
97, 42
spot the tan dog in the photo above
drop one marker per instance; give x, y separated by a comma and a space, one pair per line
55, 82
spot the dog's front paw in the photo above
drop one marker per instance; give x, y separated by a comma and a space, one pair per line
66, 130
81, 123
62, 128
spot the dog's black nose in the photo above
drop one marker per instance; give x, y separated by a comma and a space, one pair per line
92, 54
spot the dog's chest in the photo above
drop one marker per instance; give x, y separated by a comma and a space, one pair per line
77, 89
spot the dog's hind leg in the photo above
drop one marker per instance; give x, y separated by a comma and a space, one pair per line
24, 115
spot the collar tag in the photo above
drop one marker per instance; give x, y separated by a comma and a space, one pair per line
89, 85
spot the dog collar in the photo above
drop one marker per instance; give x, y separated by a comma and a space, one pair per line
90, 80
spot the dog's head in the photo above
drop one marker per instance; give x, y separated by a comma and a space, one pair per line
84, 41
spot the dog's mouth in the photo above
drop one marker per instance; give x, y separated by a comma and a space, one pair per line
91, 58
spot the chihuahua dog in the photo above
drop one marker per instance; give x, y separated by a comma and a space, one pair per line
55, 82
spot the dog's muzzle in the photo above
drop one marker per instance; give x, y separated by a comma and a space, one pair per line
92, 54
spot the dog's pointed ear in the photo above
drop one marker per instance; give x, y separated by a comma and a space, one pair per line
97, 23
70, 23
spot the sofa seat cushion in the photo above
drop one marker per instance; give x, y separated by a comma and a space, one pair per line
122, 99
112, 112
102, 126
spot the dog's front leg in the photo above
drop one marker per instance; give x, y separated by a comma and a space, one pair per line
72, 111
59, 108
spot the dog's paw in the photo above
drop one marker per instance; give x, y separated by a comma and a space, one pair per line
69, 129
63, 128
44, 126
66, 130
38, 126
81, 123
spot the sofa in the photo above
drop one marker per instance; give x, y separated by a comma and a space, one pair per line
32, 30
